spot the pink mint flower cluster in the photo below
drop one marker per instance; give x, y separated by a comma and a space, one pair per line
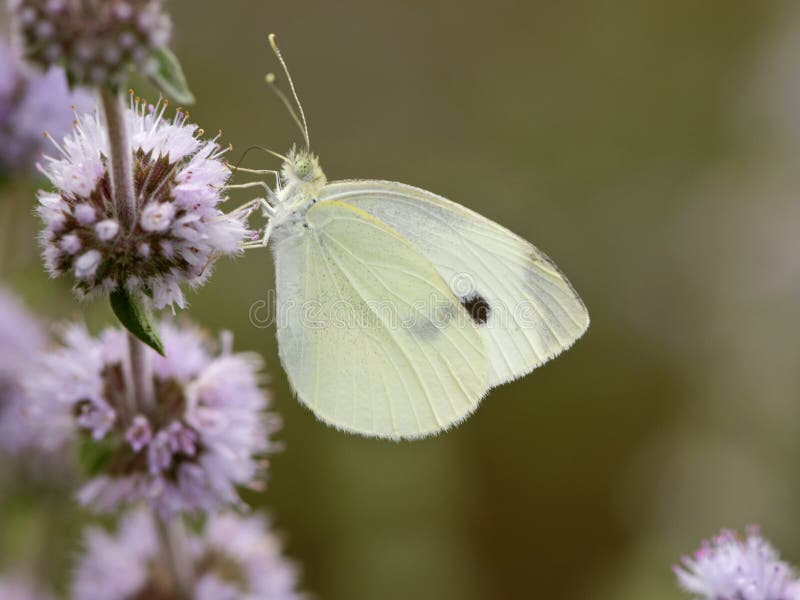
180, 230
206, 431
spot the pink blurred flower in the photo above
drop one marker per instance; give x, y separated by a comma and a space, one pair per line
21, 341
30, 104
234, 558
731, 568
16, 587
96, 41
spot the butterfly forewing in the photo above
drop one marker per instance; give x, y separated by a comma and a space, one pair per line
526, 310
372, 338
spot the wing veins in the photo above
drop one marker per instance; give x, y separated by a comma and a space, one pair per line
324, 256
488, 229
411, 304
488, 270
393, 337
513, 283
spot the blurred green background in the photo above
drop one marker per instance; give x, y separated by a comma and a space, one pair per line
651, 148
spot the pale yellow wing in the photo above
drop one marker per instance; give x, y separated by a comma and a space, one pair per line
525, 308
371, 337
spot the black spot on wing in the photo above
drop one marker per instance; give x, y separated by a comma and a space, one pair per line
477, 307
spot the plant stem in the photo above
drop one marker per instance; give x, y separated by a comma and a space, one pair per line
170, 533
122, 191
141, 377
123, 198
172, 541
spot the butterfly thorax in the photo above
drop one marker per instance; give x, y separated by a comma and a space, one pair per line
301, 179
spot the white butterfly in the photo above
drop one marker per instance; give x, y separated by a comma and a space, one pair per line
398, 310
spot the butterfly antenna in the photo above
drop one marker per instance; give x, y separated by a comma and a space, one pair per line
268, 151
270, 79
302, 119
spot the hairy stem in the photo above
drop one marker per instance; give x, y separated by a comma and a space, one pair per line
124, 200
142, 398
122, 191
172, 542
141, 376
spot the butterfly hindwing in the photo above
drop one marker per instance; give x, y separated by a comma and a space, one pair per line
370, 335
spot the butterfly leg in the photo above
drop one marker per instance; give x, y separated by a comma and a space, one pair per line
271, 196
277, 174
260, 243
257, 171
244, 186
266, 208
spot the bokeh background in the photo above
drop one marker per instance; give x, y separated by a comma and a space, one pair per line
651, 148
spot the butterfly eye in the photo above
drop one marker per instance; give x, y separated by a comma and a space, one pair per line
304, 169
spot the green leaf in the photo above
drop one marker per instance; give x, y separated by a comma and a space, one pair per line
134, 313
95, 455
169, 77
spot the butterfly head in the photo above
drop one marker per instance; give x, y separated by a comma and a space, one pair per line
301, 171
